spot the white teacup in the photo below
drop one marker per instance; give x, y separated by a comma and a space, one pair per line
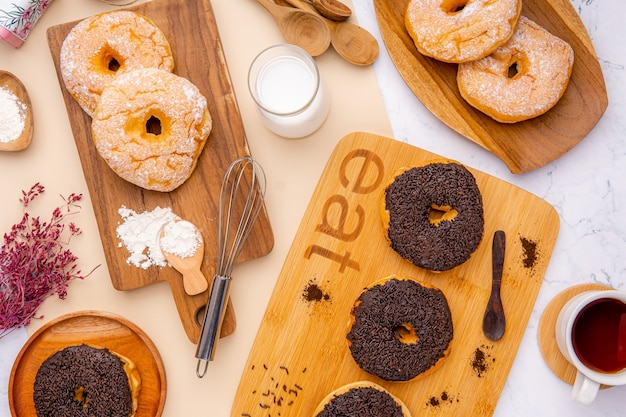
591, 340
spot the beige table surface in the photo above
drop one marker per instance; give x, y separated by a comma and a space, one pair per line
292, 167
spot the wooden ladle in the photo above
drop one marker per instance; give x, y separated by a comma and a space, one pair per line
12, 84
300, 28
353, 43
332, 9
194, 281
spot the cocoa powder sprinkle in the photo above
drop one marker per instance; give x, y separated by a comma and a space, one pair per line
530, 252
313, 292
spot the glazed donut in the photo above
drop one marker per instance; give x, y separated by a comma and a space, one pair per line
400, 329
361, 399
150, 126
105, 45
460, 30
432, 215
522, 79
86, 380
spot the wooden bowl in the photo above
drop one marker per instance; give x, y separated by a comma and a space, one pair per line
522, 146
95, 328
11, 83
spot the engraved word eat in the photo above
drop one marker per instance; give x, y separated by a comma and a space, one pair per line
361, 172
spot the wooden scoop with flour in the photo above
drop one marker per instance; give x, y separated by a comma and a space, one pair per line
183, 247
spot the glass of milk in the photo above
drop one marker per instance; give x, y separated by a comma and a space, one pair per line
286, 86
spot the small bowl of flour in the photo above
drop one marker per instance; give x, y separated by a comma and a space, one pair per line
16, 116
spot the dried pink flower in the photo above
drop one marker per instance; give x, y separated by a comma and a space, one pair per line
34, 261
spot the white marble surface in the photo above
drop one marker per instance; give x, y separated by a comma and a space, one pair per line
587, 186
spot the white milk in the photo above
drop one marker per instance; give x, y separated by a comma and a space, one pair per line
286, 86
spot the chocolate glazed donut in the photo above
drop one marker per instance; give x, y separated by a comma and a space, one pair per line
401, 329
433, 215
83, 381
361, 399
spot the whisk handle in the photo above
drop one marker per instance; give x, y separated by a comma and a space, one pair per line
213, 318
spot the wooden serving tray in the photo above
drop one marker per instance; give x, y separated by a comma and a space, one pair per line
300, 353
521, 146
98, 329
191, 29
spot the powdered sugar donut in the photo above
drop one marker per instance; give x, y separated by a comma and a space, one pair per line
99, 48
461, 30
150, 126
522, 79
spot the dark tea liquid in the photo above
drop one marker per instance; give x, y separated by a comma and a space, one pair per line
596, 335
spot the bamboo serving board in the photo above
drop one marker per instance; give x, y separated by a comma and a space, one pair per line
98, 329
300, 353
192, 32
521, 146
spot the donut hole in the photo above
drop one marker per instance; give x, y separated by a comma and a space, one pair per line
518, 64
153, 126
110, 60
405, 333
80, 396
453, 6
438, 214
513, 70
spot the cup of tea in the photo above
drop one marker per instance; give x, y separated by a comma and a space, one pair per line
591, 335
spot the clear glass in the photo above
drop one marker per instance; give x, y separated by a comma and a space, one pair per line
286, 86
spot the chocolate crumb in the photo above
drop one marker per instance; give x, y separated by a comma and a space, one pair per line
433, 401
278, 391
481, 361
530, 252
313, 293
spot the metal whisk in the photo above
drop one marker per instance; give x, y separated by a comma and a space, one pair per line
244, 179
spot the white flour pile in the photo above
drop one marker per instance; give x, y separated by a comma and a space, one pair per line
11, 118
139, 233
180, 238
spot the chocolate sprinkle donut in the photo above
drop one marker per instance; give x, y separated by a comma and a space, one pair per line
82, 381
411, 197
362, 402
383, 312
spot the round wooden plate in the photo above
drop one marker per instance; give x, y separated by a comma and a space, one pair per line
96, 328
547, 340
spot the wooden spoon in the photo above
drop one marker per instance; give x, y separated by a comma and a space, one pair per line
353, 43
302, 29
194, 280
332, 9
493, 321
12, 84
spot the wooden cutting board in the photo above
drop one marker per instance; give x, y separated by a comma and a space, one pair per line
300, 353
521, 146
193, 35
